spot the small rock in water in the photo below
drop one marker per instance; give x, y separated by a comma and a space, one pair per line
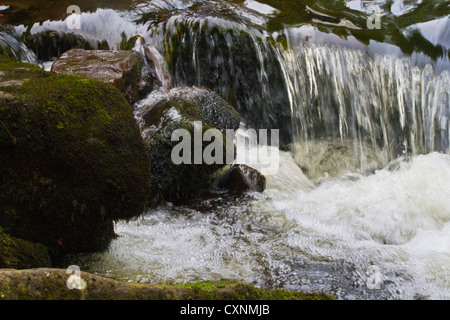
241, 178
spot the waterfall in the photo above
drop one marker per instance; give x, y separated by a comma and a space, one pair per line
350, 109
340, 108
239, 63
344, 109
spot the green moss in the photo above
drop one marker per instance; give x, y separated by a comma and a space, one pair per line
280, 40
20, 254
204, 285
128, 44
78, 136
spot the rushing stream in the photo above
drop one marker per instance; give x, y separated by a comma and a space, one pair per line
363, 186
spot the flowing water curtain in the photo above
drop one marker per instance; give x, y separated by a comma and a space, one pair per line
10, 46
366, 110
238, 62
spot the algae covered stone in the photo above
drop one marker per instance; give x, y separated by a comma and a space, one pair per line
184, 109
229, 61
72, 159
122, 68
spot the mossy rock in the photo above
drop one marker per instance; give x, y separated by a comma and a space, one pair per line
180, 110
129, 43
49, 45
239, 290
72, 159
123, 69
21, 254
51, 284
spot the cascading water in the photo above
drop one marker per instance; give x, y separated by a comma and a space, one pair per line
342, 107
238, 62
351, 111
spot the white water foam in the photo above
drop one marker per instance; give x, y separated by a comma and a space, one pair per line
302, 237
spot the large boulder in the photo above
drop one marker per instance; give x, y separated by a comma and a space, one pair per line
180, 109
53, 284
72, 159
122, 68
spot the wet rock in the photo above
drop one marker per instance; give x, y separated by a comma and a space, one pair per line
21, 254
52, 284
121, 68
72, 159
241, 178
155, 62
193, 103
180, 109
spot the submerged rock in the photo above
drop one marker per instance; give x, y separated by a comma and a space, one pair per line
241, 178
21, 254
179, 110
52, 284
123, 69
72, 159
